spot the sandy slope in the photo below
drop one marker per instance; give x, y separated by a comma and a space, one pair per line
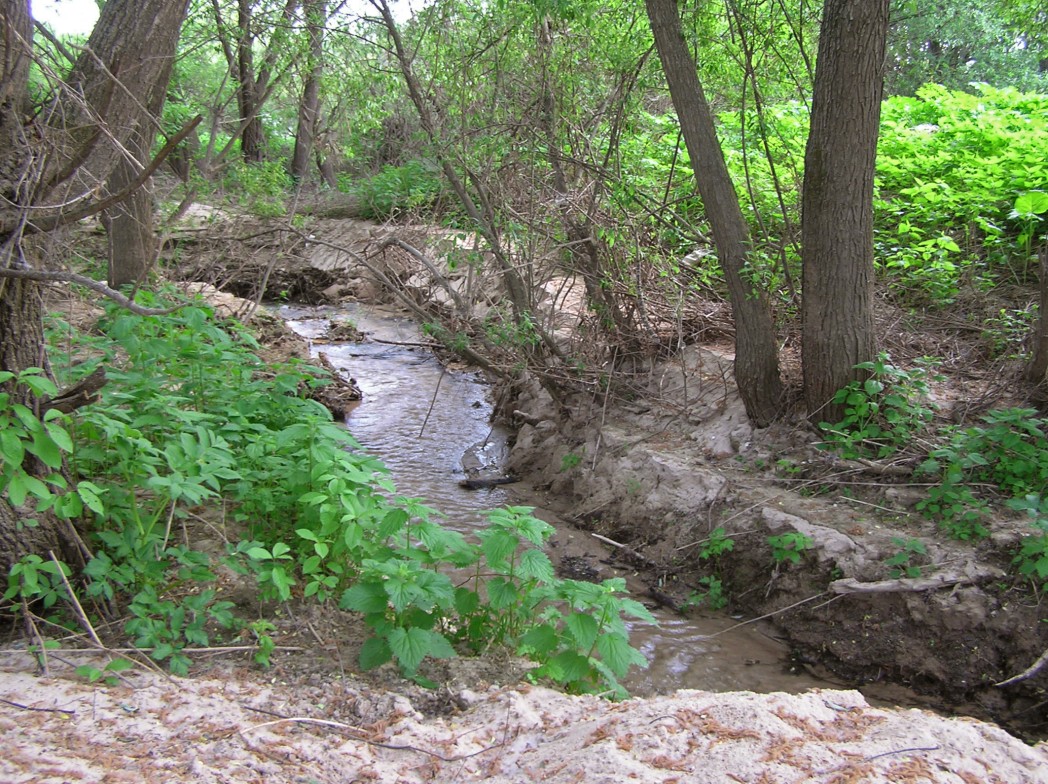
151, 729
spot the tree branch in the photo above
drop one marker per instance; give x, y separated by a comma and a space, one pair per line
71, 277
52, 222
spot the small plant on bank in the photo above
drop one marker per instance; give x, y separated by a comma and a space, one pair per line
1009, 451
903, 563
569, 461
789, 547
883, 414
710, 594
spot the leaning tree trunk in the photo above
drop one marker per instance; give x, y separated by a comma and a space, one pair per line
837, 206
756, 352
21, 307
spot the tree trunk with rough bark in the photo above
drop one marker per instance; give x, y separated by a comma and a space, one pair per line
130, 229
837, 207
252, 140
756, 352
309, 108
89, 130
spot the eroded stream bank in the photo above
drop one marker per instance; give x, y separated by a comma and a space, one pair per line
424, 421
659, 475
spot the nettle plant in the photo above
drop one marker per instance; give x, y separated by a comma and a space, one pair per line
218, 429
883, 413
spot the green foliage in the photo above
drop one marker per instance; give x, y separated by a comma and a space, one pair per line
570, 460
26, 440
789, 546
882, 414
711, 594
108, 674
1009, 452
219, 426
954, 174
259, 187
716, 544
33, 579
903, 562
396, 191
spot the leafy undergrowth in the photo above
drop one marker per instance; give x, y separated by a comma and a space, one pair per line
191, 420
1003, 458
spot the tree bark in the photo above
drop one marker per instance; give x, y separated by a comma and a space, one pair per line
252, 140
46, 165
837, 206
756, 353
130, 230
309, 108
1038, 367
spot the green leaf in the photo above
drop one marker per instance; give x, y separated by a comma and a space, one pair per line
583, 629
539, 640
535, 564
365, 598
1031, 203
502, 593
16, 488
568, 666
615, 651
498, 546
374, 653
392, 523
12, 450
60, 436
89, 493
410, 647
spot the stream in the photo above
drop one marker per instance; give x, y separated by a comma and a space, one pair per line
420, 420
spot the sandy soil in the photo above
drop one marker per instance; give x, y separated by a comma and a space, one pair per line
242, 729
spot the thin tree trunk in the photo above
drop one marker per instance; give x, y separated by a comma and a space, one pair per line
252, 140
1038, 367
756, 353
837, 206
309, 108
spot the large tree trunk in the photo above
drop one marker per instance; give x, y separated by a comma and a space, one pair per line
309, 109
756, 353
837, 221
129, 225
21, 311
88, 132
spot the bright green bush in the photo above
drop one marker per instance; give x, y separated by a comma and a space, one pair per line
950, 167
189, 418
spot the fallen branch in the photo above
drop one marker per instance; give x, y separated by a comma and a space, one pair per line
849, 585
357, 735
41, 710
80, 394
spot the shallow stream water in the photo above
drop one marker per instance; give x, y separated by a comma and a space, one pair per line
420, 420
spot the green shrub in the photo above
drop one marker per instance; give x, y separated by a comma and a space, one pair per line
883, 414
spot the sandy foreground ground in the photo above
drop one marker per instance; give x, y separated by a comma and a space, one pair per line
239, 729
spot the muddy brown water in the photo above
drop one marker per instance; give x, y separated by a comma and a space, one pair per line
421, 419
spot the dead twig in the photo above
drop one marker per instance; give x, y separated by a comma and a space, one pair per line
1028, 673
356, 732
41, 710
